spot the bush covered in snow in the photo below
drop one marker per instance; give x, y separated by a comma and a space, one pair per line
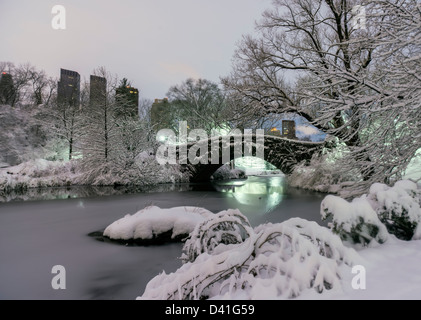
145, 170
355, 222
271, 261
226, 173
324, 174
398, 207
225, 228
156, 224
371, 217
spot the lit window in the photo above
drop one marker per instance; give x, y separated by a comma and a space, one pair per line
70, 85
131, 92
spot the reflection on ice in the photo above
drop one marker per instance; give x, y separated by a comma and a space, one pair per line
255, 191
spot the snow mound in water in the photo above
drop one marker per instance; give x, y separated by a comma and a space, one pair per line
151, 222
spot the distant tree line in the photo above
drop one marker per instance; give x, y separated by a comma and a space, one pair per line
25, 84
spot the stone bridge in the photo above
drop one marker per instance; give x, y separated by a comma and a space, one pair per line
281, 152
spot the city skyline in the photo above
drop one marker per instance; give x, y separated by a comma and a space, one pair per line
154, 45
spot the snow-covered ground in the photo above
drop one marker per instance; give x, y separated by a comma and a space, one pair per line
392, 272
225, 258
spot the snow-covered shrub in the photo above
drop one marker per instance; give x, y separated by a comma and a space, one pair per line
226, 173
151, 223
275, 261
355, 222
142, 172
324, 174
371, 217
398, 207
225, 228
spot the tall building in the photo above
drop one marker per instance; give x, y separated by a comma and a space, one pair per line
98, 90
69, 87
7, 91
160, 114
288, 129
127, 99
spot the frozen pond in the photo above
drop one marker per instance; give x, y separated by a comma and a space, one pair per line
37, 235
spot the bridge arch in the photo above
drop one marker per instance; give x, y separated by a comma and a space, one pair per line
281, 152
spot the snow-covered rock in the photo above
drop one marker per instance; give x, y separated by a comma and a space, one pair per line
226, 173
153, 222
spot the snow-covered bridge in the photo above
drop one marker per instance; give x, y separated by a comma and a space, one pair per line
281, 152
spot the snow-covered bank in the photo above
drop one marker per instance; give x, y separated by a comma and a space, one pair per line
153, 224
38, 174
45, 174
324, 174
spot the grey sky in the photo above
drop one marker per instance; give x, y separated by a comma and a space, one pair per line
154, 43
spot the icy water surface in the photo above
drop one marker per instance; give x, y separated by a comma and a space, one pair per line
37, 235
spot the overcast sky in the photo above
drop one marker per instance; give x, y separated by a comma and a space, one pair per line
154, 43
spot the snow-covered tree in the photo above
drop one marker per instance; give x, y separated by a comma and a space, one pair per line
64, 121
99, 124
356, 82
199, 102
113, 141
